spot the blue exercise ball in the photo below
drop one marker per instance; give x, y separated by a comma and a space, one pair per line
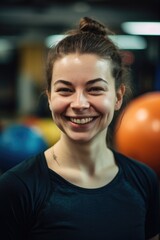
19, 142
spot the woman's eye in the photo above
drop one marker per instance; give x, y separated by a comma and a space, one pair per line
64, 91
96, 90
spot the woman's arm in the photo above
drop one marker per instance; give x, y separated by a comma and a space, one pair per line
13, 207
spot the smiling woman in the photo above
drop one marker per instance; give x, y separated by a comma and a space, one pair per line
80, 188
83, 95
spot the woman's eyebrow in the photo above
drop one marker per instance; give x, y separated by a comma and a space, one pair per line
96, 80
92, 81
64, 82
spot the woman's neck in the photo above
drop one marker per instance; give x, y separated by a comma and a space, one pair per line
87, 165
88, 156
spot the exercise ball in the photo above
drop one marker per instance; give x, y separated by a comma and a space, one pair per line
137, 132
46, 127
19, 142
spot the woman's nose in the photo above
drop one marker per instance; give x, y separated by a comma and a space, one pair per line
80, 101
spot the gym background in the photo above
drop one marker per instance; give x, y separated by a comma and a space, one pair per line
29, 28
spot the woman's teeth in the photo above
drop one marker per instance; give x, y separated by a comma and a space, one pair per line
81, 120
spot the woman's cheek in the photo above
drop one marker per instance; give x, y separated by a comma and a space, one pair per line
104, 106
107, 108
58, 105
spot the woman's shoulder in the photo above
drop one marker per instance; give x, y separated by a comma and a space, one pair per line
23, 191
136, 171
25, 175
134, 164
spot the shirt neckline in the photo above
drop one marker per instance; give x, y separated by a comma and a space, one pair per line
65, 183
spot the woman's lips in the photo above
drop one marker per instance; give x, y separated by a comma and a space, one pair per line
81, 120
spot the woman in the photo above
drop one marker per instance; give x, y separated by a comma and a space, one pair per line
80, 188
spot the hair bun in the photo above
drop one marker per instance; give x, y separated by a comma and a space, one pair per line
89, 25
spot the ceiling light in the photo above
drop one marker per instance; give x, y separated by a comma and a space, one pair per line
122, 41
141, 28
129, 42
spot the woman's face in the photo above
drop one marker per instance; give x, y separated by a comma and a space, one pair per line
83, 97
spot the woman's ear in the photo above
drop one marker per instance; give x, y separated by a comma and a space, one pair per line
119, 97
49, 98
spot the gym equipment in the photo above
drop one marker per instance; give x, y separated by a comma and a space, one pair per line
19, 142
138, 130
46, 127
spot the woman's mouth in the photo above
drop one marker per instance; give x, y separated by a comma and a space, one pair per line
81, 121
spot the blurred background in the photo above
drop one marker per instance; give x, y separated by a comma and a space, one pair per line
29, 27
25, 28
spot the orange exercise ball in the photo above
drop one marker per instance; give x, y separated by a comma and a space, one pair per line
138, 130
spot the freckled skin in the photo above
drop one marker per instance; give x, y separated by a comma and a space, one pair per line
74, 94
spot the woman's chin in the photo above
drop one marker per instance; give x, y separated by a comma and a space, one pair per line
80, 137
